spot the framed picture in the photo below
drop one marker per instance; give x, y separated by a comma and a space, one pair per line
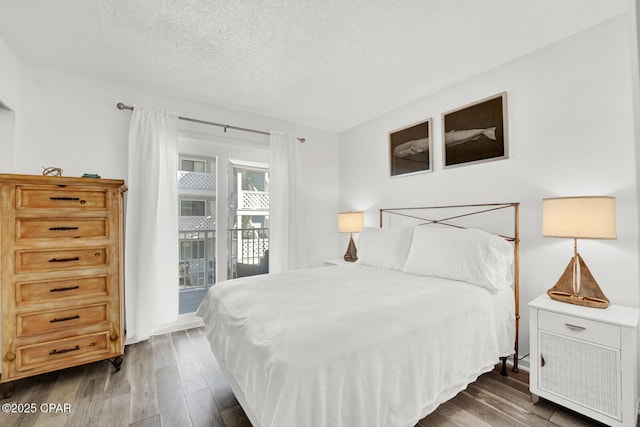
411, 148
476, 132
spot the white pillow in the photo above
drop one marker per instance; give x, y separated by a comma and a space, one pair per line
467, 255
384, 247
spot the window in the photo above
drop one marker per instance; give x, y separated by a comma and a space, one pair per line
193, 165
192, 208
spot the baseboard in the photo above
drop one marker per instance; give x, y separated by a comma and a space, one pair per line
185, 321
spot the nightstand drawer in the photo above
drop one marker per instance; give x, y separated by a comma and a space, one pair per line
581, 329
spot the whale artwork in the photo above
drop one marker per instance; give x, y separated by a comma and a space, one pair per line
456, 137
476, 132
409, 148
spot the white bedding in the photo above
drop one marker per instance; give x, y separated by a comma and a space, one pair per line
353, 346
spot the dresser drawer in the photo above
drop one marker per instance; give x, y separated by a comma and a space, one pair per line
578, 328
50, 321
62, 352
28, 261
28, 228
47, 291
60, 197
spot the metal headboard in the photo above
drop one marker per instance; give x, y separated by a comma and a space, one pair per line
476, 209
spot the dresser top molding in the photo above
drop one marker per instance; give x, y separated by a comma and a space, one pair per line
61, 180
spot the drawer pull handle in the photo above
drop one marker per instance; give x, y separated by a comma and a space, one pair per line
62, 228
575, 328
64, 259
69, 288
64, 319
64, 350
68, 199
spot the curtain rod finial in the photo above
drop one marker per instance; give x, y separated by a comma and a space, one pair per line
121, 106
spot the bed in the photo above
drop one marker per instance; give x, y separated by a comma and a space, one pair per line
426, 310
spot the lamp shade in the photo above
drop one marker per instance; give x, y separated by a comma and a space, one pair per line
586, 217
350, 222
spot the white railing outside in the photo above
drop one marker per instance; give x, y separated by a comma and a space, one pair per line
192, 223
204, 181
253, 200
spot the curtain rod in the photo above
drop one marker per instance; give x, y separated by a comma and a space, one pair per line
121, 106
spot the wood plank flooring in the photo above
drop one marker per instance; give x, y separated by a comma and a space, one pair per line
173, 380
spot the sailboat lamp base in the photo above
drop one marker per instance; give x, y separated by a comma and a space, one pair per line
574, 299
587, 294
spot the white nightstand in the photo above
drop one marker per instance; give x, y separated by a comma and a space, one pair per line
585, 359
338, 261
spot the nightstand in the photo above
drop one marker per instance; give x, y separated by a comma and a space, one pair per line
585, 359
338, 261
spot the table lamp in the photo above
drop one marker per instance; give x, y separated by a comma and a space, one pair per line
587, 217
350, 222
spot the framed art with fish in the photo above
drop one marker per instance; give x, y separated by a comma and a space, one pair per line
411, 149
476, 132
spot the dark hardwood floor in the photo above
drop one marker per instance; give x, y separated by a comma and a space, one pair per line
173, 380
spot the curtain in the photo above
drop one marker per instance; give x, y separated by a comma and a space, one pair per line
287, 244
151, 235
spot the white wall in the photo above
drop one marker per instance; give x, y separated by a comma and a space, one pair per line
634, 23
10, 76
71, 122
10, 84
570, 133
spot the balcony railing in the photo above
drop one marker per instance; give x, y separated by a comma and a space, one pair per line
254, 200
248, 256
250, 201
196, 180
248, 252
186, 223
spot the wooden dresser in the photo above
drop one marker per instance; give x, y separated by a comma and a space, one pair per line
61, 273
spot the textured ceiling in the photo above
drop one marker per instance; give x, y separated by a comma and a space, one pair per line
330, 64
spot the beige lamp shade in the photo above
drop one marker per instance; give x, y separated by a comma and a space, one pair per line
350, 222
585, 217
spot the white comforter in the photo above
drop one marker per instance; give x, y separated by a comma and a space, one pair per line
353, 346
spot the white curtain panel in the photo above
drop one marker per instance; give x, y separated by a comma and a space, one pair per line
151, 242
287, 236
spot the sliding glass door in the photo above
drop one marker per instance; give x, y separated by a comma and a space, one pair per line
248, 225
197, 229
223, 218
